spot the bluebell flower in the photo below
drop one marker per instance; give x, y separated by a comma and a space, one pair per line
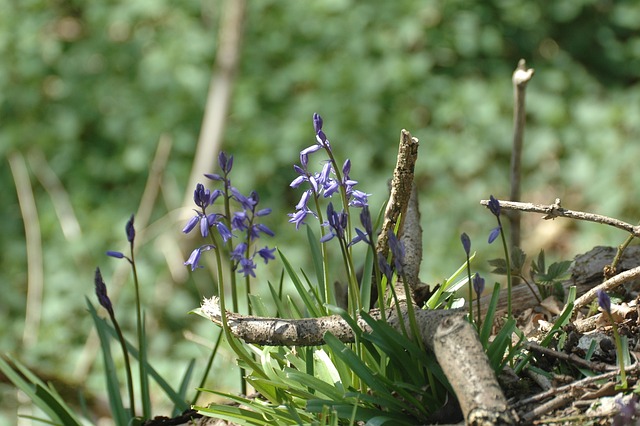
225, 163
238, 252
495, 232
466, 243
194, 258
397, 250
130, 230
359, 199
247, 267
494, 206
367, 234
336, 222
478, 284
116, 254
604, 301
299, 216
384, 267
101, 293
266, 254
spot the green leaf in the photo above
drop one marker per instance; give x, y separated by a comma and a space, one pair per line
518, 257
168, 390
499, 266
487, 325
184, 386
120, 415
316, 257
43, 396
309, 303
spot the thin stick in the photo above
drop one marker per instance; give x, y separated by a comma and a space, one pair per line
608, 285
33, 239
551, 211
220, 90
520, 78
596, 366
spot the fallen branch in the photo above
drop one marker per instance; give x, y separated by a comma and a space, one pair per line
551, 211
446, 333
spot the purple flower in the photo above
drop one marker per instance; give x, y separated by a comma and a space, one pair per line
359, 199
116, 254
494, 233
478, 284
130, 230
365, 219
194, 258
397, 249
317, 122
337, 223
238, 252
466, 243
384, 267
494, 206
225, 163
247, 267
192, 223
604, 301
101, 293
299, 216
202, 196
266, 254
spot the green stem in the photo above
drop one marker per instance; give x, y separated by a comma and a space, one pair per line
127, 365
207, 369
144, 381
616, 336
508, 265
469, 284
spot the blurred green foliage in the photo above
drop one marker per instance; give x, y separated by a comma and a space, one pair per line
91, 87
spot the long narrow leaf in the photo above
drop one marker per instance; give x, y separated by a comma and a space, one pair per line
302, 291
120, 415
44, 397
316, 257
168, 390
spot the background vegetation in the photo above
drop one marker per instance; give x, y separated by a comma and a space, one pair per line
88, 89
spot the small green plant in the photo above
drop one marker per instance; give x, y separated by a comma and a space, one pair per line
547, 281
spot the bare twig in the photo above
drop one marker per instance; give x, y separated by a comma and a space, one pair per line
35, 266
446, 333
219, 97
551, 211
520, 78
595, 366
608, 285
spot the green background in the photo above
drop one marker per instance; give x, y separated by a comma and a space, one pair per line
87, 90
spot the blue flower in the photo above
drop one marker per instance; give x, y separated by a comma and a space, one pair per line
397, 250
130, 230
116, 254
194, 258
336, 222
478, 284
101, 293
266, 254
494, 234
367, 235
247, 267
299, 216
494, 206
466, 243
604, 301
